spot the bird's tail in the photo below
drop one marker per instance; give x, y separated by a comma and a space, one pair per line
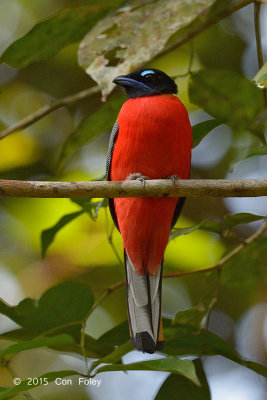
144, 308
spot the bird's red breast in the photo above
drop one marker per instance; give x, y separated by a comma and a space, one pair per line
154, 139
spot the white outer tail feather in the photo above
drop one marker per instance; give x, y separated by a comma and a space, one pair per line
144, 301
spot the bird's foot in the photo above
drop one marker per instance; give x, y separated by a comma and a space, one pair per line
137, 176
174, 178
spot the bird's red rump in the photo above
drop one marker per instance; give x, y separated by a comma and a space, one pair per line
154, 139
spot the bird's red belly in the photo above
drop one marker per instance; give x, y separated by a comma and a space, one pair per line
155, 140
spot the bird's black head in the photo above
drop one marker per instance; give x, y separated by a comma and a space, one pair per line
146, 82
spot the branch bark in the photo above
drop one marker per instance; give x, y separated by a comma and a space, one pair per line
128, 188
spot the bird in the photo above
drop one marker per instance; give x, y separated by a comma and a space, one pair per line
151, 139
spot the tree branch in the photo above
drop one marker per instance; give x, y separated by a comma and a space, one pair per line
226, 12
135, 188
48, 108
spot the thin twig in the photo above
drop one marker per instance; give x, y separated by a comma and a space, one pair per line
257, 9
226, 258
190, 63
218, 266
47, 109
109, 234
134, 188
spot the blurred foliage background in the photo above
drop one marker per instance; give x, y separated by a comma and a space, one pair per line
81, 251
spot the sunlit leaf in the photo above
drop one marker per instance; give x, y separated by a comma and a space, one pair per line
175, 384
8, 392
168, 364
261, 77
248, 267
227, 96
46, 38
231, 220
202, 129
37, 342
48, 235
60, 309
92, 126
109, 50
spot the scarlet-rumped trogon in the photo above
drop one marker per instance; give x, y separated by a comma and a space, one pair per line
151, 139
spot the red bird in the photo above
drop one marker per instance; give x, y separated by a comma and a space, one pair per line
151, 139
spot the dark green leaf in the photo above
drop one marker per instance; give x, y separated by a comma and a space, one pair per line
185, 340
115, 336
248, 267
37, 342
191, 317
202, 129
231, 220
48, 235
91, 126
168, 364
61, 309
48, 37
177, 385
227, 96
7, 392
207, 225
218, 47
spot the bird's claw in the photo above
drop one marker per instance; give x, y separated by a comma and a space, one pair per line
137, 176
174, 178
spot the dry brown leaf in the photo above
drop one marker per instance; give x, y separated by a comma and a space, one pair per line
133, 35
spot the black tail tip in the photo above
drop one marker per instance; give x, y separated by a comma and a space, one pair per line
145, 343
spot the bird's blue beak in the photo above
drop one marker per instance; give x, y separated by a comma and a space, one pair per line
124, 81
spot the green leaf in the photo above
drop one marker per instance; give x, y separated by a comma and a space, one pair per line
231, 220
192, 317
48, 37
60, 309
202, 129
227, 96
261, 77
109, 50
186, 340
91, 207
248, 267
168, 364
37, 342
257, 151
90, 127
115, 356
175, 384
7, 392
207, 225
115, 336
48, 235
